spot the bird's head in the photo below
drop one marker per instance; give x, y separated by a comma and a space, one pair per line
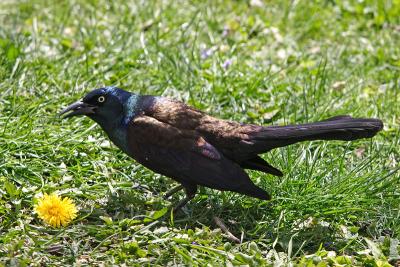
103, 105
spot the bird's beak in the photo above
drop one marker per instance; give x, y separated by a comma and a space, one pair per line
78, 108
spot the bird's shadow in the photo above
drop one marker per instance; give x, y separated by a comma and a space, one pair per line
245, 219
252, 221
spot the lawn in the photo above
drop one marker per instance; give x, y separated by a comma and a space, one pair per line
263, 62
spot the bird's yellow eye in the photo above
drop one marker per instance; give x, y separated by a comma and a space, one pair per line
101, 99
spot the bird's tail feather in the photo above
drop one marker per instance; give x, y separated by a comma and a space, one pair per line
337, 128
253, 191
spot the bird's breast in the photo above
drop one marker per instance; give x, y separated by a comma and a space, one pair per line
119, 137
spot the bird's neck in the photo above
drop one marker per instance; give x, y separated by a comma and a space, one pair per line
117, 131
131, 109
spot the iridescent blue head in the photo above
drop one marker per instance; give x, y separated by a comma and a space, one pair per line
112, 108
108, 106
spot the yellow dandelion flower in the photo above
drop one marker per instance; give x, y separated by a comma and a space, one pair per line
56, 211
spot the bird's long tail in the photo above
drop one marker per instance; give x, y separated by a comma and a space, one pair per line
343, 128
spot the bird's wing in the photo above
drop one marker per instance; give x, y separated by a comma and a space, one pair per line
186, 156
231, 138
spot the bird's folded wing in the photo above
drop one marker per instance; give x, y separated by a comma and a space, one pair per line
229, 137
183, 155
151, 131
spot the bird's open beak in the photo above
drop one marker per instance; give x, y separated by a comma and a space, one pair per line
78, 108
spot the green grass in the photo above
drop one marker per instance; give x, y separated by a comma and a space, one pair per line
290, 62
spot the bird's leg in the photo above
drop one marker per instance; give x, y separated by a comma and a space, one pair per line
173, 191
190, 193
183, 202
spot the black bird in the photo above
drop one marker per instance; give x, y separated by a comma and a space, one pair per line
194, 148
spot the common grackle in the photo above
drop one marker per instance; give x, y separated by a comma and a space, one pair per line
194, 148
